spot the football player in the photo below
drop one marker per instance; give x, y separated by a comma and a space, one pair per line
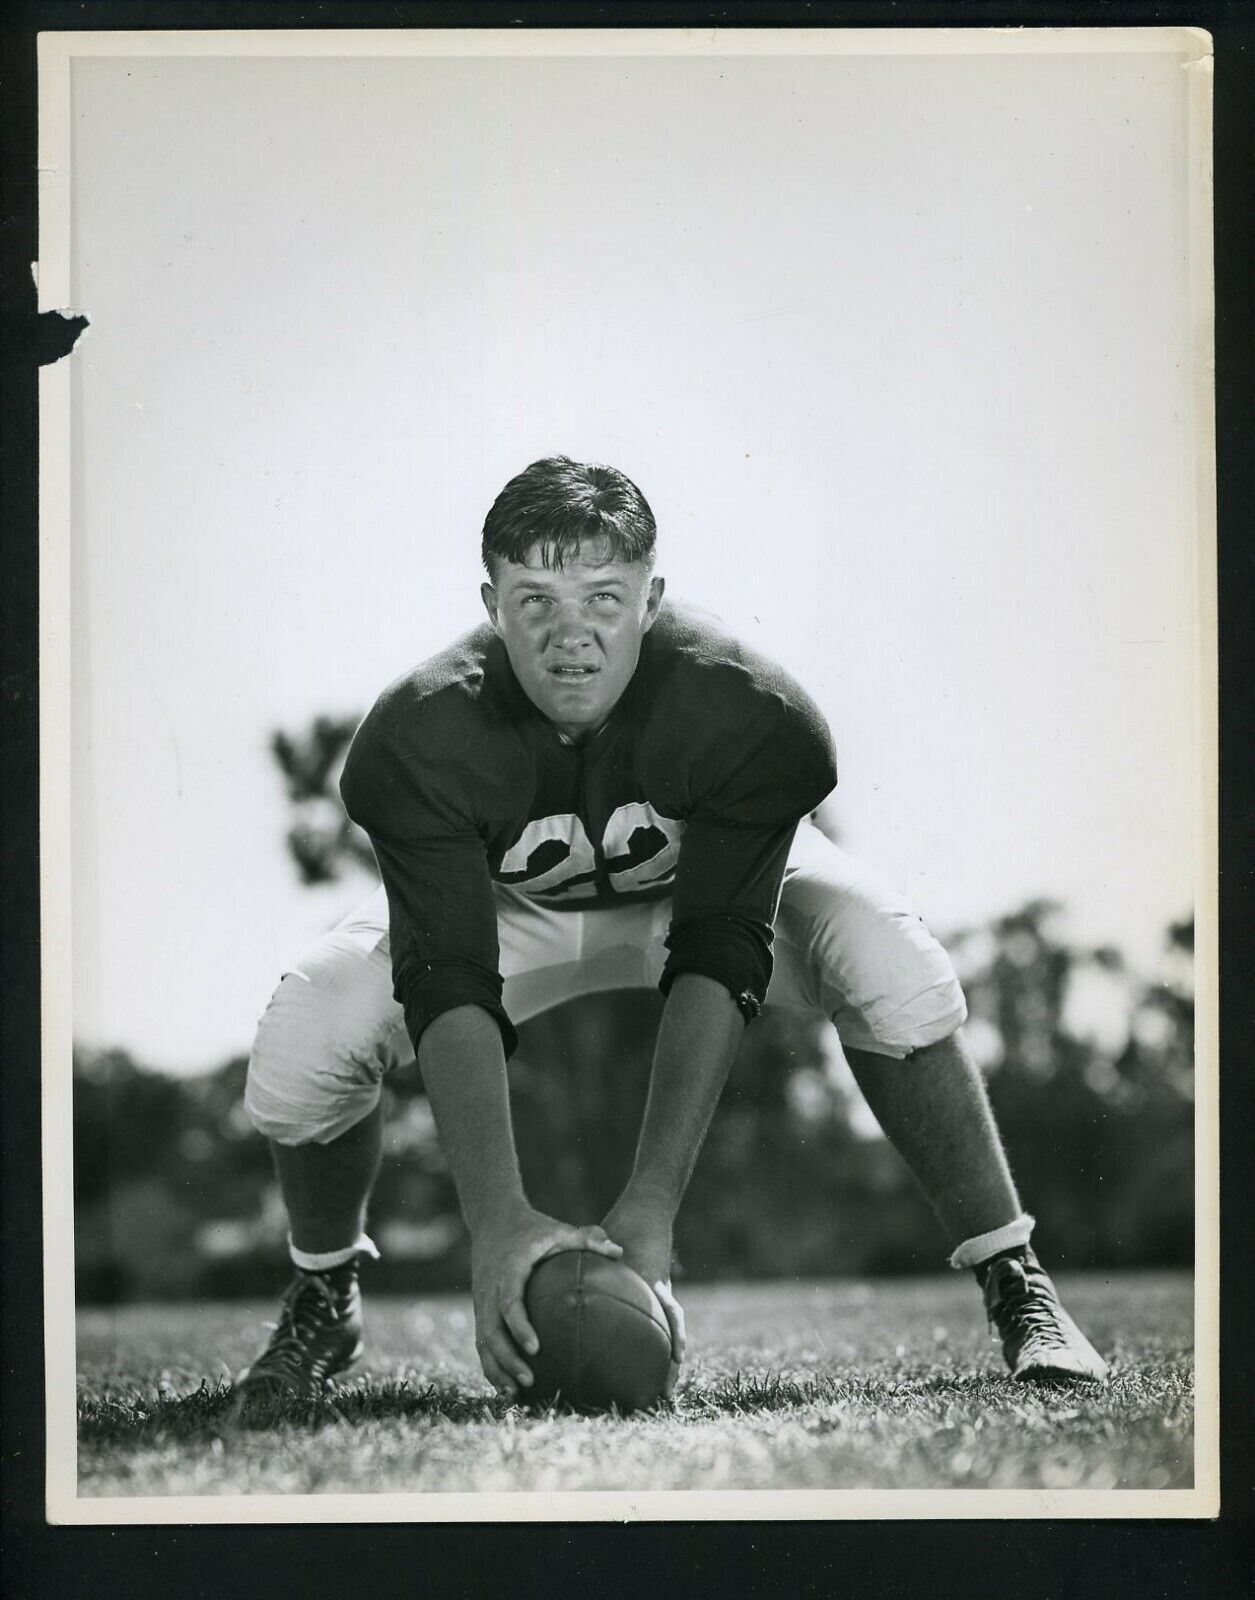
598, 790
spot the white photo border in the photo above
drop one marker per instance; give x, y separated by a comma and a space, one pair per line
57, 52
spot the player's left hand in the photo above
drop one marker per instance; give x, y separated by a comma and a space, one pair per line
644, 1230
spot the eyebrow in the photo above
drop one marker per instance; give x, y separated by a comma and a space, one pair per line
539, 583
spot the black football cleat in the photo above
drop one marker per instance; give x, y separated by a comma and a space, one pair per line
318, 1334
1040, 1341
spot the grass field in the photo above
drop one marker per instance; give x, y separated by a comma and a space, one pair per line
834, 1385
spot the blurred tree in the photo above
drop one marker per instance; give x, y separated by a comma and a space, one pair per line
1100, 1131
154, 1157
321, 839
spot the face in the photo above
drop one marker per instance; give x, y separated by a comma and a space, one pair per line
573, 634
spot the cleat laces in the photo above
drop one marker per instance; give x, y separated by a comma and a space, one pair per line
1019, 1301
308, 1308
1040, 1341
317, 1334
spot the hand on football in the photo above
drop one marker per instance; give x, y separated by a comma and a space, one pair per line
503, 1253
644, 1231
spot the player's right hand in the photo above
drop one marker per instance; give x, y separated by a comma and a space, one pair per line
503, 1252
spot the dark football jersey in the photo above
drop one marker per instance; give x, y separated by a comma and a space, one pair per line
692, 789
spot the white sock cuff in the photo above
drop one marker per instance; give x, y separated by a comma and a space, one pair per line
973, 1251
330, 1259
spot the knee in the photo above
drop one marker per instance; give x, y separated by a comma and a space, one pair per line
886, 982
312, 1073
948, 1052
913, 1007
929, 1023
281, 1110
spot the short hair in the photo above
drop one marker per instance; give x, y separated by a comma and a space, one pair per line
558, 504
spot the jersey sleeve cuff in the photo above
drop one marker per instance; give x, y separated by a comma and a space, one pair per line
435, 987
733, 951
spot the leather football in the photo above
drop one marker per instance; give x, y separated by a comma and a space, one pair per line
604, 1340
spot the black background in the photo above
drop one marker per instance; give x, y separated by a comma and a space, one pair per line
1015, 1560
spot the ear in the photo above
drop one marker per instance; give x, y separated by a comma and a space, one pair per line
657, 587
489, 596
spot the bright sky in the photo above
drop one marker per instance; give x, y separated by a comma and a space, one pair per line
897, 350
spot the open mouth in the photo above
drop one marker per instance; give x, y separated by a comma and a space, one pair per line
572, 674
